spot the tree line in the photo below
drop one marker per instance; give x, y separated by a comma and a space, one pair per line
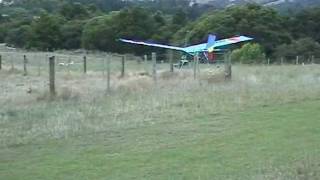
70, 25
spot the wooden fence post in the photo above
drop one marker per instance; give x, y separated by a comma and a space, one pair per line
138, 60
312, 59
25, 61
39, 64
52, 77
297, 60
268, 61
171, 60
0, 62
68, 65
228, 66
198, 66
12, 64
145, 57
154, 66
123, 63
108, 72
104, 65
146, 63
195, 60
84, 64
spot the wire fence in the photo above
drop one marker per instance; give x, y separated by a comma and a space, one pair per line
297, 60
111, 67
37, 62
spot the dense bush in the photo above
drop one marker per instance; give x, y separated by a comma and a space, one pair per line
249, 53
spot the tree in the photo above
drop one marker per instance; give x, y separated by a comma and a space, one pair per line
159, 19
3, 32
262, 23
305, 24
45, 32
19, 36
179, 18
74, 11
102, 32
98, 33
304, 48
249, 53
71, 33
15, 27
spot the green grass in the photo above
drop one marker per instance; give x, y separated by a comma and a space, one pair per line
264, 124
256, 142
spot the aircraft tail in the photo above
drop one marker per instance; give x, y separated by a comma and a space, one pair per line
211, 41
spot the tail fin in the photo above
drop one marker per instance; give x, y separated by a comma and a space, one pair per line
211, 41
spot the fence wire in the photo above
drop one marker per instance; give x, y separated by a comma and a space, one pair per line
37, 62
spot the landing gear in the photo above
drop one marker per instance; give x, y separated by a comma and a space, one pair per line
181, 64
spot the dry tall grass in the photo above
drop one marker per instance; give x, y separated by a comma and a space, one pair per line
84, 106
177, 110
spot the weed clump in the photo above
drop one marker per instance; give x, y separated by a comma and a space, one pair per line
64, 94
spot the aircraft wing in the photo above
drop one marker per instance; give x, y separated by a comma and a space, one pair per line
228, 41
152, 44
196, 48
209, 46
201, 47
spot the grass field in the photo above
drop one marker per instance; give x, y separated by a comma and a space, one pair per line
264, 124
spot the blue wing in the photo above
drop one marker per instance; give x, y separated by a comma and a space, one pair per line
201, 47
195, 48
191, 49
152, 44
232, 40
209, 46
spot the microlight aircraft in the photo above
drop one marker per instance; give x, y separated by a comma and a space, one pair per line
206, 48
